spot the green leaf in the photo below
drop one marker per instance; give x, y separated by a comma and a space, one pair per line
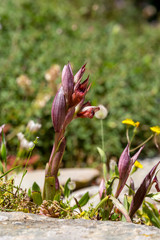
154, 196
114, 216
154, 209
102, 154
57, 196
83, 201
9, 171
3, 148
152, 217
29, 192
37, 198
126, 206
3, 152
116, 171
121, 208
66, 189
1, 167
35, 187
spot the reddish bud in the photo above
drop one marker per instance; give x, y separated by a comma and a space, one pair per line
79, 74
87, 112
80, 91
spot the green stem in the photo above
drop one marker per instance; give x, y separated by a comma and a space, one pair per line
127, 135
156, 142
102, 134
132, 150
104, 163
99, 205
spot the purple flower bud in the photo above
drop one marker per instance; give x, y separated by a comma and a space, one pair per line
79, 74
142, 191
68, 83
124, 167
58, 110
124, 162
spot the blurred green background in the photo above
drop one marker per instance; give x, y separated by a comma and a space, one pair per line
121, 45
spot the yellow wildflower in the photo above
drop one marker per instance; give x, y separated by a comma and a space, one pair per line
155, 129
138, 164
137, 124
130, 122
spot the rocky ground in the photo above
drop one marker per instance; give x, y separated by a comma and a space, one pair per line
20, 226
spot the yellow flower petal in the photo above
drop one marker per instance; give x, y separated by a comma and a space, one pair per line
137, 124
138, 164
129, 122
155, 129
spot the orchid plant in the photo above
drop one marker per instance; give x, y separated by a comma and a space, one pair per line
69, 103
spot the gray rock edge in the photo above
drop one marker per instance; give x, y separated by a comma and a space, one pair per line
20, 226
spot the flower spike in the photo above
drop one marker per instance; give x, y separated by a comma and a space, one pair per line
67, 105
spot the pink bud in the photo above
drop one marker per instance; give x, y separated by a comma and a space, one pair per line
102, 188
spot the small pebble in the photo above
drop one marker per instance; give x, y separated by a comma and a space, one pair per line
17, 223
3, 218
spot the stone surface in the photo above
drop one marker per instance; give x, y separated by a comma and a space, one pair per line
83, 177
20, 226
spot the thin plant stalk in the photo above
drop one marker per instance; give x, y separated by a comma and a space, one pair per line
104, 161
140, 145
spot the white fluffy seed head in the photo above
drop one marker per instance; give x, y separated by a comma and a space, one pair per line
102, 113
71, 185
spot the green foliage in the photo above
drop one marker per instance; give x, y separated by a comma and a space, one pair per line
122, 57
82, 202
14, 199
66, 189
